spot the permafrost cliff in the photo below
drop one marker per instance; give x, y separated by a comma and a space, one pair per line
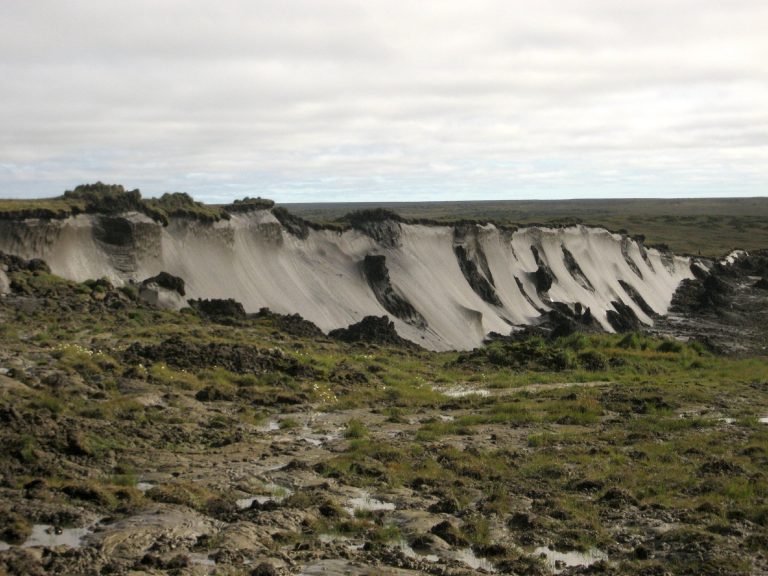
445, 287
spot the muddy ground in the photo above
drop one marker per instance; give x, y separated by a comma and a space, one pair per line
138, 441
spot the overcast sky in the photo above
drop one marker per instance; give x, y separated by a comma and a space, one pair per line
329, 100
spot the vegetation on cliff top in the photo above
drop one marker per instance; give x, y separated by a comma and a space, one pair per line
100, 198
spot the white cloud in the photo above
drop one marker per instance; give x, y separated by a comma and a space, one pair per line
319, 100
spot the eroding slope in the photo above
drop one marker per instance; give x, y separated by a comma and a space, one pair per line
443, 287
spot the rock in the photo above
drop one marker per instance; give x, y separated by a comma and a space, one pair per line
618, 498
167, 281
373, 329
21, 561
14, 264
264, 569
331, 509
473, 263
77, 444
450, 533
376, 273
163, 291
543, 278
761, 284
380, 224
446, 505
14, 529
292, 224
522, 521
238, 358
292, 324
637, 298
623, 318
575, 270
719, 466
218, 309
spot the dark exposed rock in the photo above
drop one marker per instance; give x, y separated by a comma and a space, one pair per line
450, 533
575, 270
234, 357
292, 324
719, 466
762, 284
293, 224
617, 498
623, 318
373, 329
14, 529
377, 275
698, 295
527, 296
637, 298
482, 286
473, 262
543, 277
167, 281
723, 309
217, 308
699, 272
448, 504
563, 321
113, 230
380, 224
586, 485
214, 394
77, 445
15, 264
625, 244
331, 509
18, 561
150, 560
264, 569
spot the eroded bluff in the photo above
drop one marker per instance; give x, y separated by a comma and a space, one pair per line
443, 287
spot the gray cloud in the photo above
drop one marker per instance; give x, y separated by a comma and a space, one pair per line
330, 100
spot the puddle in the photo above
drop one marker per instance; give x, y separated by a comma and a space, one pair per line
337, 568
49, 536
366, 503
468, 557
201, 559
461, 391
277, 494
319, 438
409, 552
331, 538
559, 561
144, 486
269, 426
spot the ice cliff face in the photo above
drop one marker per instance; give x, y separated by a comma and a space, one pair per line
445, 287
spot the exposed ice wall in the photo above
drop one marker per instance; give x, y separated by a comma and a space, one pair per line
463, 282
